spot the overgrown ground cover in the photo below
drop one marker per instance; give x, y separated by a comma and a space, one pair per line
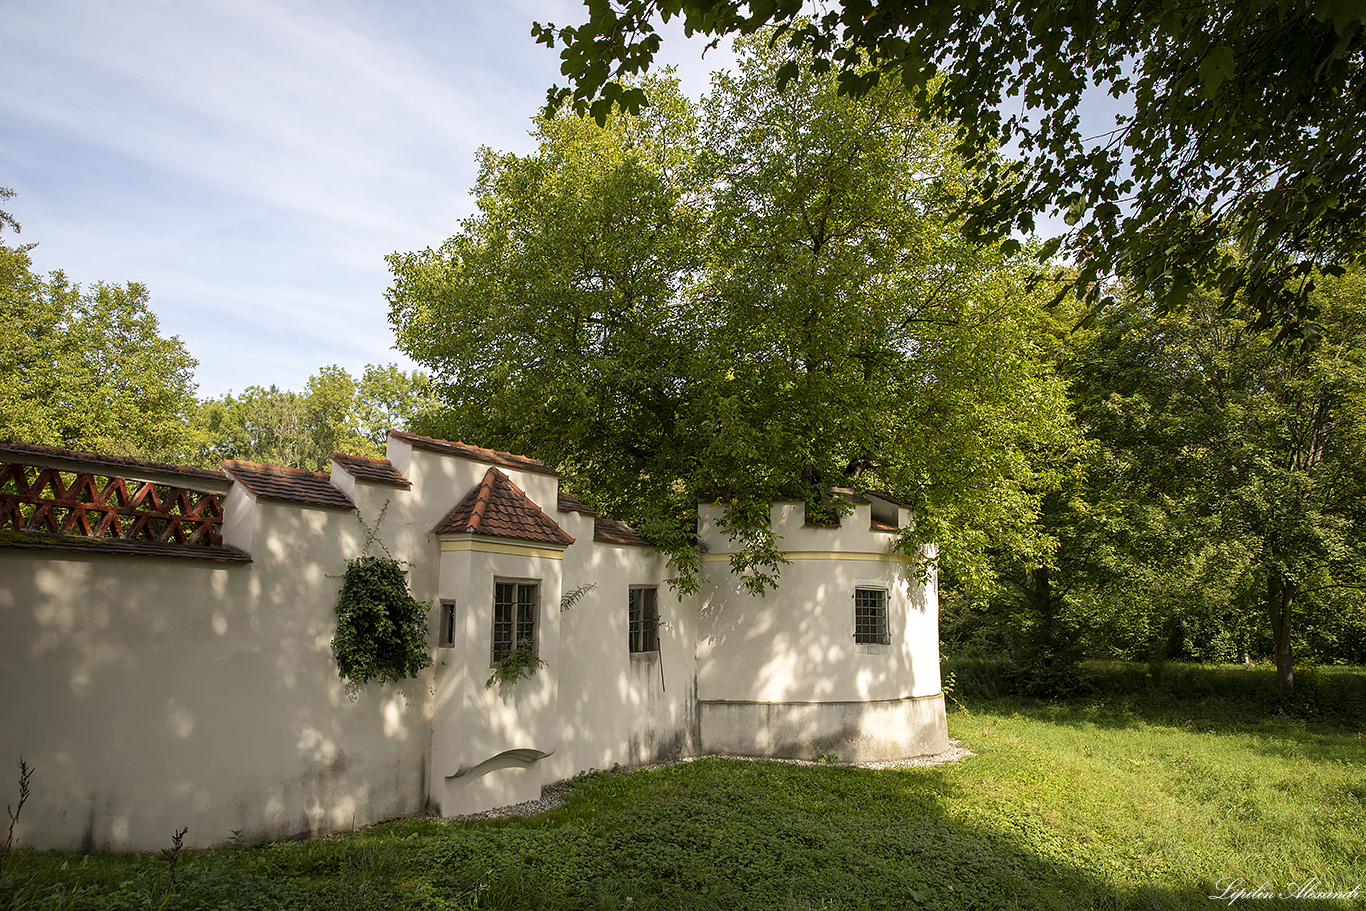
1143, 793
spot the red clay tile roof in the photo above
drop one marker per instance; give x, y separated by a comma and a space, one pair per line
125, 547
492, 456
275, 482
882, 526
378, 470
570, 503
498, 508
610, 531
16, 452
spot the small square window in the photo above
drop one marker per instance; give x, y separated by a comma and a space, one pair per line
445, 633
643, 620
514, 616
870, 616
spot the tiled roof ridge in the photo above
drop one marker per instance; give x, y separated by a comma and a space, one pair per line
20, 448
605, 528
369, 469
281, 468
455, 447
359, 458
567, 502
481, 499
615, 531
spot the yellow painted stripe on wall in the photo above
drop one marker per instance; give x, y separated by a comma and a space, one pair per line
825, 555
491, 547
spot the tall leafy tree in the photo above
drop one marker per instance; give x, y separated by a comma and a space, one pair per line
554, 321
1243, 462
259, 424
89, 368
759, 298
1247, 125
335, 412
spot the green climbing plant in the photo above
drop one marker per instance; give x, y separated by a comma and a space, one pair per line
521, 663
381, 627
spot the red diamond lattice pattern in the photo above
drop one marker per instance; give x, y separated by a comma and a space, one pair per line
48, 500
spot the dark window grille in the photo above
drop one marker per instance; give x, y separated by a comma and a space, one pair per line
514, 616
643, 622
870, 616
445, 636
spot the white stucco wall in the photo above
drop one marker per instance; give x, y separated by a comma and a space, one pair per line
487, 741
153, 693
781, 674
616, 707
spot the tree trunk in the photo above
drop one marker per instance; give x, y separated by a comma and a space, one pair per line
1043, 609
1280, 597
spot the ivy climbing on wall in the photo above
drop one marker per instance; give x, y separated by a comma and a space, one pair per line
381, 627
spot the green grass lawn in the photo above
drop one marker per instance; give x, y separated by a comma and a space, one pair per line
1144, 794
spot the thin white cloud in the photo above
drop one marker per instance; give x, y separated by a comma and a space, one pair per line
252, 162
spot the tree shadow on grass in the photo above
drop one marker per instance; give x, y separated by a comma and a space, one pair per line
727, 834
701, 836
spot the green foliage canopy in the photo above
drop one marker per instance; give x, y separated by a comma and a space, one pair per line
1259, 449
1247, 126
755, 298
89, 368
1218, 508
335, 413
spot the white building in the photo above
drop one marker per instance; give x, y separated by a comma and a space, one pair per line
165, 633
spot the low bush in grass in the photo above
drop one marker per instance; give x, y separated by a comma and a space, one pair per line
1247, 692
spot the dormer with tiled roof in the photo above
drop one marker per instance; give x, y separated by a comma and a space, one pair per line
497, 508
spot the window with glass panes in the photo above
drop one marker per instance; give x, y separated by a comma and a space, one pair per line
643, 621
514, 616
870, 616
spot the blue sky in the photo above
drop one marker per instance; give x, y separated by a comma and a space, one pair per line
253, 161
